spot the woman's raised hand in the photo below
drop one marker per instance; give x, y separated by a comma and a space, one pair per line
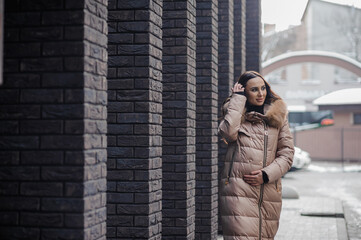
237, 88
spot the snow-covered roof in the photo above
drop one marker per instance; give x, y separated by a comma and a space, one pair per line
311, 53
349, 96
296, 108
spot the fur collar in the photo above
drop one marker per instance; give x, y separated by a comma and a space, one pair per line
275, 114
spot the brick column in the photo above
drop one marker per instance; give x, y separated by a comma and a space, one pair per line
53, 120
179, 103
226, 49
253, 35
225, 64
226, 54
239, 38
134, 119
207, 109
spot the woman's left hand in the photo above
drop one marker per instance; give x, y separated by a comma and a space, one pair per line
254, 179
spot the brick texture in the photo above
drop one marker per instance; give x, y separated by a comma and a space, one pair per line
226, 50
207, 116
109, 114
253, 35
179, 105
239, 38
134, 197
53, 120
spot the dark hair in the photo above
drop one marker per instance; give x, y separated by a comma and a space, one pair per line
246, 76
243, 79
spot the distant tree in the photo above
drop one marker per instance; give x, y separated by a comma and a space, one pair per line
350, 26
277, 43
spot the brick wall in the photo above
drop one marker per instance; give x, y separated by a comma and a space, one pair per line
134, 200
207, 115
239, 38
152, 72
225, 50
179, 105
226, 47
52, 120
226, 35
253, 35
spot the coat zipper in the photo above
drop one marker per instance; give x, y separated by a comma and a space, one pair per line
262, 186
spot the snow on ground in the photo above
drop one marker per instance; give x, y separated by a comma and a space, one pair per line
349, 168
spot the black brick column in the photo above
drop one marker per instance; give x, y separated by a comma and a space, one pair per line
226, 50
93, 153
226, 54
207, 110
225, 63
179, 104
239, 38
53, 120
253, 35
134, 119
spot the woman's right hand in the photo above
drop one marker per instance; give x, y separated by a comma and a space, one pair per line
237, 88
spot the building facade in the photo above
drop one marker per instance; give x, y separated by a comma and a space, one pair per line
109, 115
325, 26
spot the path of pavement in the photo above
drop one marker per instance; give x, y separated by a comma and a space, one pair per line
311, 218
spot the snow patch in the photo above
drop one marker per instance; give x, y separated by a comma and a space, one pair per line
352, 168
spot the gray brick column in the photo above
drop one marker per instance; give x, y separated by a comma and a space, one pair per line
53, 120
207, 110
253, 35
239, 38
179, 104
134, 119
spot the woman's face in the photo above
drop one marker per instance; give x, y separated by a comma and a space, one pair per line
256, 91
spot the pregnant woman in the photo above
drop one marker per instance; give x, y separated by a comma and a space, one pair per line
260, 152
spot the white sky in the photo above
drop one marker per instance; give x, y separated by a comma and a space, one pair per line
289, 12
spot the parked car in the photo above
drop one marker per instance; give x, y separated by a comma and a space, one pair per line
301, 159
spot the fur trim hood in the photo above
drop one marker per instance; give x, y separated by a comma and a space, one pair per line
275, 113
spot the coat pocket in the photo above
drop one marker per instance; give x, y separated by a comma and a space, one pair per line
243, 131
246, 143
278, 185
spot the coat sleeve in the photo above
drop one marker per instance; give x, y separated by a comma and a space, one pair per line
284, 155
229, 126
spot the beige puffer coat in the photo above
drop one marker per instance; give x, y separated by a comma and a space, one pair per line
255, 141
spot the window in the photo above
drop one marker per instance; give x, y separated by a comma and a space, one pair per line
356, 118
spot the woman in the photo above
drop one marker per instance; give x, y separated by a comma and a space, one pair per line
260, 151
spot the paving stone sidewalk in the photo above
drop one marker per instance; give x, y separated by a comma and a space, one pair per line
311, 218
